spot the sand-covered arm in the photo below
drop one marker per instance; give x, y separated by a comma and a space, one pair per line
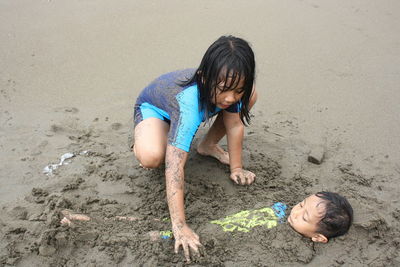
234, 133
175, 160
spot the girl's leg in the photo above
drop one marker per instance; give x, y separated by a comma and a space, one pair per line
151, 142
209, 145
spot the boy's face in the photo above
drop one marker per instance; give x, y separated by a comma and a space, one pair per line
306, 215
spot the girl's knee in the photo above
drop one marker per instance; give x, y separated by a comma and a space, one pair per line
149, 159
253, 99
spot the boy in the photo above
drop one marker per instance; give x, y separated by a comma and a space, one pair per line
322, 216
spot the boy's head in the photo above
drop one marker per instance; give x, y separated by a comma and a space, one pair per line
322, 216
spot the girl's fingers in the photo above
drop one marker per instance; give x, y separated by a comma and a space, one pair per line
243, 178
186, 251
249, 179
194, 246
197, 243
253, 178
235, 179
194, 253
197, 238
177, 245
202, 250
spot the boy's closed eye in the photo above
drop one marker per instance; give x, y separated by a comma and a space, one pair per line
305, 217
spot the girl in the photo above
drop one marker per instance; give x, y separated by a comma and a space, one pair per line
169, 111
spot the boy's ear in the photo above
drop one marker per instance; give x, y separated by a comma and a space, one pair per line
319, 238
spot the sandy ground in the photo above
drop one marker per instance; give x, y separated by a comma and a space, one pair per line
328, 73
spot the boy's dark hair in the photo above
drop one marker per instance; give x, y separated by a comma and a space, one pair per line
233, 57
338, 215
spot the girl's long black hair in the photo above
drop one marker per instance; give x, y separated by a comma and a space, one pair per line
228, 57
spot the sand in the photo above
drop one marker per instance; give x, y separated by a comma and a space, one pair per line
327, 75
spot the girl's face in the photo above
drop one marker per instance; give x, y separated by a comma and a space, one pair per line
224, 99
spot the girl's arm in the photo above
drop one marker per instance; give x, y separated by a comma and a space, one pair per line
234, 132
175, 160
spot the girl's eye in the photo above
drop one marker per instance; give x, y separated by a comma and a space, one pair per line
239, 90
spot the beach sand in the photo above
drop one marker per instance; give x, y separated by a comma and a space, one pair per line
328, 74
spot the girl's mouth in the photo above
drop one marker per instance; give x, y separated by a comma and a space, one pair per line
224, 106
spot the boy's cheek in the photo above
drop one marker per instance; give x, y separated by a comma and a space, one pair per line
289, 219
293, 225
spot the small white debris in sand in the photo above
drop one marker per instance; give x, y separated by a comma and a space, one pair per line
51, 167
126, 218
74, 216
66, 221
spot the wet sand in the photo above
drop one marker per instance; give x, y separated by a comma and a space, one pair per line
327, 74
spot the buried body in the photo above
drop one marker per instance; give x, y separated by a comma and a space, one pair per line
319, 217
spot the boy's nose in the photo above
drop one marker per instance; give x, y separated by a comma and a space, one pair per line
294, 213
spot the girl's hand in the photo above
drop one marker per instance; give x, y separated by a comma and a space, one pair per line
185, 237
241, 176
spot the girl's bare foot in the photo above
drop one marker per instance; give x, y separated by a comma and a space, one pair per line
214, 151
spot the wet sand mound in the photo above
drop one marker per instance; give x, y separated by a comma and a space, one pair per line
127, 209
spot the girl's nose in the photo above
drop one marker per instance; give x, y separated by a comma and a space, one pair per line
230, 98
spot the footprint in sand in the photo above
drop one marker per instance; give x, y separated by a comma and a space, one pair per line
66, 110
